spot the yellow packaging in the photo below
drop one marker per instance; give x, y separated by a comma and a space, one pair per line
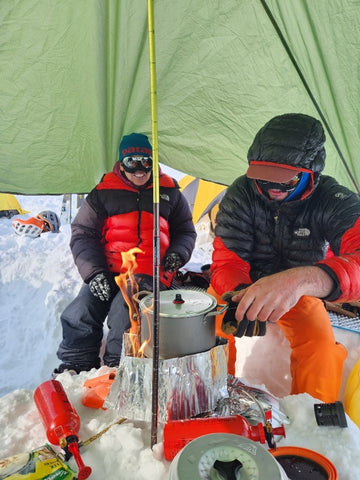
41, 463
352, 395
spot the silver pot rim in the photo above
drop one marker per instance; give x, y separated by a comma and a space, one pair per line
189, 303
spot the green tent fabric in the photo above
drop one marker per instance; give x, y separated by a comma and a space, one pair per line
75, 78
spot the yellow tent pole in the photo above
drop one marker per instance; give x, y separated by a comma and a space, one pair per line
156, 247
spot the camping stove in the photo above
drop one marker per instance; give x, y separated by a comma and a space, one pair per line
188, 385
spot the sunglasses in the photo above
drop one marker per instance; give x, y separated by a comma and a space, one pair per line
137, 161
290, 184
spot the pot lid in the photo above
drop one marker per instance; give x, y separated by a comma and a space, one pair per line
181, 303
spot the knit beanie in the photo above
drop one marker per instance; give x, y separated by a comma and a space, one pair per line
134, 144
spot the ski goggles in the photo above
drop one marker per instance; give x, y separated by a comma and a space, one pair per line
137, 162
284, 187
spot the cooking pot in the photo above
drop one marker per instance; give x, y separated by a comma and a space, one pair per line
186, 322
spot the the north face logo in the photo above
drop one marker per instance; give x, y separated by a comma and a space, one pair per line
302, 232
165, 197
340, 195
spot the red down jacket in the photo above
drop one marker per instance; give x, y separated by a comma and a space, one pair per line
116, 217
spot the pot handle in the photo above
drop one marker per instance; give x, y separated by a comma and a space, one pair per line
137, 294
216, 312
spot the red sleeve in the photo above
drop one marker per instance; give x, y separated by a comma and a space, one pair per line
346, 265
228, 269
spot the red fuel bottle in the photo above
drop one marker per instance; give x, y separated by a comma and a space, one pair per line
177, 433
60, 420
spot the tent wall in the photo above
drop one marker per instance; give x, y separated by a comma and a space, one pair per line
75, 78
10, 206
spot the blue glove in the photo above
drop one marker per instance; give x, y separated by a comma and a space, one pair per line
172, 262
102, 286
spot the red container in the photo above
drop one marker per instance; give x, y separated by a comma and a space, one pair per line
58, 416
60, 420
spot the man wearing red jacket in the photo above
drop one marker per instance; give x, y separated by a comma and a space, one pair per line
274, 228
116, 217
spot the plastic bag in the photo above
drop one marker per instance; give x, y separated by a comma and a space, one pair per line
41, 463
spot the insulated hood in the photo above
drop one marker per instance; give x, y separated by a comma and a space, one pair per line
293, 140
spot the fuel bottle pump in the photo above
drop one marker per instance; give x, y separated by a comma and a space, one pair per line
60, 420
178, 433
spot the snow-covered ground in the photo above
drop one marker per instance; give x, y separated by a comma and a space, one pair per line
37, 280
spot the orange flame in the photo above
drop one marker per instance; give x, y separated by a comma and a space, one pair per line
148, 315
129, 288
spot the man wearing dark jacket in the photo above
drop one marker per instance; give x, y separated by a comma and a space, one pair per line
275, 228
116, 217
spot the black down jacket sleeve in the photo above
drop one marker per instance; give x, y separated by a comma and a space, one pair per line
182, 230
85, 243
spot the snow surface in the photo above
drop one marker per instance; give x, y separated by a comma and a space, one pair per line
37, 280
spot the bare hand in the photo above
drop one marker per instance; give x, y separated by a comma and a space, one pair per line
269, 298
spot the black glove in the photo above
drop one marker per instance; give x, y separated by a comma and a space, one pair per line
231, 326
102, 286
249, 328
229, 323
172, 262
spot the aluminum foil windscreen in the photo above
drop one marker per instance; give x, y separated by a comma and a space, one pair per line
250, 402
188, 386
